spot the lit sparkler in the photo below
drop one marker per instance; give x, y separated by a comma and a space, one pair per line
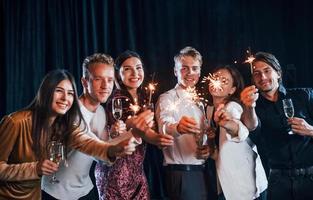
135, 107
151, 88
249, 59
214, 82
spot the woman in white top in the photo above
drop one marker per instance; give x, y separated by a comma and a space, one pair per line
239, 169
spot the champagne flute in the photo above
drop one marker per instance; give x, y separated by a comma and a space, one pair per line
117, 111
117, 108
56, 154
288, 110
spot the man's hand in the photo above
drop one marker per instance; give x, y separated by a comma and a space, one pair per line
188, 125
160, 140
46, 167
249, 96
300, 126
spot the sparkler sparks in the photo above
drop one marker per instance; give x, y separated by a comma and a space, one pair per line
151, 88
250, 59
135, 107
214, 82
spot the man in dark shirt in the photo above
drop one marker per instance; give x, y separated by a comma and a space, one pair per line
289, 156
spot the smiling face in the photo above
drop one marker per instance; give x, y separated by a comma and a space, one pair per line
265, 77
187, 70
99, 83
226, 86
63, 97
131, 73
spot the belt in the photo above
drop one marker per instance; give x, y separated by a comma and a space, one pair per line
293, 172
176, 167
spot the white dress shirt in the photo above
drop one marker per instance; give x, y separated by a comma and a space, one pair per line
171, 107
238, 165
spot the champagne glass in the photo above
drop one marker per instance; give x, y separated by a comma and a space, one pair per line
56, 154
117, 108
288, 110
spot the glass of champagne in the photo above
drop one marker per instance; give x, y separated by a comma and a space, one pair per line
56, 154
117, 111
288, 110
117, 108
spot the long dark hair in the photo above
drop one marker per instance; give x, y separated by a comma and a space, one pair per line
118, 64
237, 82
41, 110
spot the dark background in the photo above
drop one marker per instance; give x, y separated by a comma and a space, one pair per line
37, 36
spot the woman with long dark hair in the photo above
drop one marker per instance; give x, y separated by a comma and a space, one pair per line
238, 165
126, 178
53, 115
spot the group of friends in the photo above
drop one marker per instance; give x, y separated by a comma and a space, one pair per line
237, 147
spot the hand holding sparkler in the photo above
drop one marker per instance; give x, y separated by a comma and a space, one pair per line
224, 119
249, 96
140, 123
188, 125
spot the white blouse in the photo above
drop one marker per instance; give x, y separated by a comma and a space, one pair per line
238, 165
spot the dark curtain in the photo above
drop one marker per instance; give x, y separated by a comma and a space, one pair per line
37, 36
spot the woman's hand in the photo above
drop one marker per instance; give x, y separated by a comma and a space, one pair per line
46, 167
141, 123
224, 119
117, 128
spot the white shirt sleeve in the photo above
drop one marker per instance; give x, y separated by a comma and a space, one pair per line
236, 110
165, 115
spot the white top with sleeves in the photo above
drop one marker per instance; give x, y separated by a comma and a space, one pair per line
74, 179
238, 165
171, 107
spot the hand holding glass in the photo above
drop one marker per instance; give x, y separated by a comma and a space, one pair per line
288, 110
56, 154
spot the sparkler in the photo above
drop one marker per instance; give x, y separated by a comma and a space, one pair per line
135, 107
192, 94
249, 59
151, 88
214, 82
